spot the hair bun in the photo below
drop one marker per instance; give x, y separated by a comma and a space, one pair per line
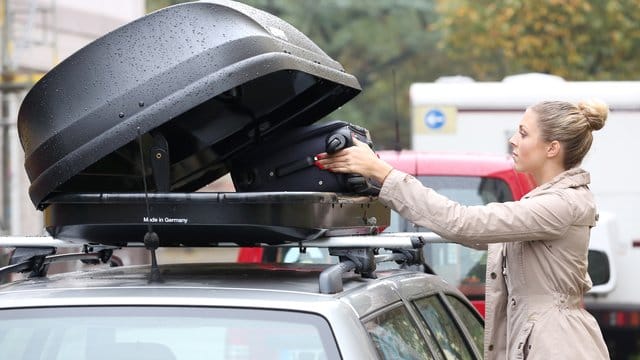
596, 113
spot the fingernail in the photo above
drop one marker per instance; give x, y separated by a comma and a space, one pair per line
321, 156
318, 165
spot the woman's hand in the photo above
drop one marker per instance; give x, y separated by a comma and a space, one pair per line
357, 159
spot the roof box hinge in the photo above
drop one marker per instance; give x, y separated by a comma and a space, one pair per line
160, 162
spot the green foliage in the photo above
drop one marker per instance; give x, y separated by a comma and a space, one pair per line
575, 39
153, 5
389, 44
376, 41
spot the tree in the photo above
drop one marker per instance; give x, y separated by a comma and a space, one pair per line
575, 39
387, 45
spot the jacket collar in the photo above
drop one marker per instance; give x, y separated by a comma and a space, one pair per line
574, 177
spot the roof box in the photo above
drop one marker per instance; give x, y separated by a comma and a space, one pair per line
210, 219
203, 81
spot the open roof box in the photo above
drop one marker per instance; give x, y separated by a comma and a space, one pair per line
191, 87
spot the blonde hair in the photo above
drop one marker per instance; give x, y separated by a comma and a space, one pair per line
571, 125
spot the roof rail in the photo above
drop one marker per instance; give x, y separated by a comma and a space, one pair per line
384, 240
34, 254
401, 240
37, 262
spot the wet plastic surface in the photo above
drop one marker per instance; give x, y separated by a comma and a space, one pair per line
210, 79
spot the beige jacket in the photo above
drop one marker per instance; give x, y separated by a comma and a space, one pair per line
536, 263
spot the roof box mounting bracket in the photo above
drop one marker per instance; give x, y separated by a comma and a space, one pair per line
160, 162
362, 260
409, 256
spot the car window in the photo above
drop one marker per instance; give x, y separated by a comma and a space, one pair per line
471, 321
444, 328
164, 333
469, 190
396, 335
599, 267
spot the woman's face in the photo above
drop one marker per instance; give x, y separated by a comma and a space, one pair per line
529, 150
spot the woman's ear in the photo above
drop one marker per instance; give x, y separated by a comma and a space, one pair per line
553, 149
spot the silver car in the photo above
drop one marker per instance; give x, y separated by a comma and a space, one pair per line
120, 135
236, 311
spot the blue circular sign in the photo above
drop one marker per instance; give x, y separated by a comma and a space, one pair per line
435, 119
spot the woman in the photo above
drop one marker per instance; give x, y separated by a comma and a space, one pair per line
537, 247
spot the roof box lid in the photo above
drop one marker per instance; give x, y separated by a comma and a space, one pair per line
201, 81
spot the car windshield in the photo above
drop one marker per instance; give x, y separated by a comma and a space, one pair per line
163, 333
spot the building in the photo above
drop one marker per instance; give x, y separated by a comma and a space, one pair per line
36, 35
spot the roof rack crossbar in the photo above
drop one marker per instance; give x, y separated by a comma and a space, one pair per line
384, 240
35, 241
403, 240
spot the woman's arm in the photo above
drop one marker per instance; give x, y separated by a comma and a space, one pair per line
544, 217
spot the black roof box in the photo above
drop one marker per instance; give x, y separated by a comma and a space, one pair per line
206, 79
207, 219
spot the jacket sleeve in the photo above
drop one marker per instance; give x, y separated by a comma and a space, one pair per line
543, 217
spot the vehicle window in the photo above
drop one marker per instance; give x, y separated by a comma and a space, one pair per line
469, 190
444, 328
470, 320
396, 336
598, 267
164, 333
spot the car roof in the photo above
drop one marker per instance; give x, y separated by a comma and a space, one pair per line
290, 286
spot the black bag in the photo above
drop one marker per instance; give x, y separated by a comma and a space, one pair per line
286, 163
